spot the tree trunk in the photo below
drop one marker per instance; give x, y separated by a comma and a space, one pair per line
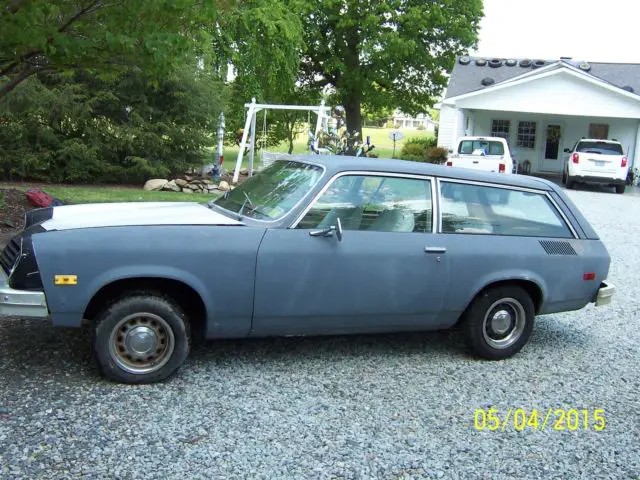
352, 111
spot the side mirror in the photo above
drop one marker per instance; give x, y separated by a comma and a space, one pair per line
329, 231
567, 150
450, 150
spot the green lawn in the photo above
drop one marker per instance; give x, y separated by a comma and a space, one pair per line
99, 194
379, 138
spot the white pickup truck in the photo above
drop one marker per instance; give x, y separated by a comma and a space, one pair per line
490, 154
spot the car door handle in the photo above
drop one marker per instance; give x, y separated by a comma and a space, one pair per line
435, 250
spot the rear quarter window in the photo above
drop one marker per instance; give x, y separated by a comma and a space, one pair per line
479, 209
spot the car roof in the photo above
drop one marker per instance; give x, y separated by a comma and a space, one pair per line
599, 140
340, 163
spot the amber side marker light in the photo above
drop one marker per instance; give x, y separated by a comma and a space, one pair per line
65, 279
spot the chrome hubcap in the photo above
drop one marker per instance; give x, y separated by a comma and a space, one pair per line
501, 322
504, 323
141, 343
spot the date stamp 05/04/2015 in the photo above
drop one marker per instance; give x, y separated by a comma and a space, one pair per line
558, 419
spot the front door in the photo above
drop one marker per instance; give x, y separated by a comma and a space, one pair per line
552, 151
385, 273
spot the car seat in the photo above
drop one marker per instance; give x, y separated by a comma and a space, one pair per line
396, 220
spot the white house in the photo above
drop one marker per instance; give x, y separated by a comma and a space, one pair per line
422, 120
542, 107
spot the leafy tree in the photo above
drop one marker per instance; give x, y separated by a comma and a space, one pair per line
102, 36
81, 128
262, 39
383, 53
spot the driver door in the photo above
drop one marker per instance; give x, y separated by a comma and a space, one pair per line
386, 272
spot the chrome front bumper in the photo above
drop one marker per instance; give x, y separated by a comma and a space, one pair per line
20, 303
605, 292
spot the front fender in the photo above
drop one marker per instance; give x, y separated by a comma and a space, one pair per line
218, 262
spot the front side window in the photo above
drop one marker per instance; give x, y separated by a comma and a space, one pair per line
273, 192
490, 210
373, 203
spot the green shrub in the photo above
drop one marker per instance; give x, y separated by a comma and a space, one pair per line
413, 152
425, 141
437, 155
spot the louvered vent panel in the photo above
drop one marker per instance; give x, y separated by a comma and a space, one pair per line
554, 247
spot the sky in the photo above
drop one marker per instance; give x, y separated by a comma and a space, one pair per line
591, 30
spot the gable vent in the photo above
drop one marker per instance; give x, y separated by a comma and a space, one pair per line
554, 247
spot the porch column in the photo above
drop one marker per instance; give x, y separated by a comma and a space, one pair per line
636, 153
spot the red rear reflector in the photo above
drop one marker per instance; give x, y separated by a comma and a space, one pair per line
624, 162
449, 164
589, 276
502, 168
575, 158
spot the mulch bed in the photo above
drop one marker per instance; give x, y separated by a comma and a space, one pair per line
13, 210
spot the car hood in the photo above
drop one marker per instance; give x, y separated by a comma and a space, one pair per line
133, 214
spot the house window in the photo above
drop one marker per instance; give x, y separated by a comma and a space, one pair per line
500, 128
599, 131
526, 135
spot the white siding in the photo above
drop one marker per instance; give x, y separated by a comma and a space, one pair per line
560, 94
574, 128
451, 126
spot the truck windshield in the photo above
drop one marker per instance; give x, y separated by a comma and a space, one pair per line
602, 148
480, 147
273, 192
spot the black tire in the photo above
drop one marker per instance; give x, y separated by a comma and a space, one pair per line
478, 333
564, 177
161, 326
570, 184
620, 188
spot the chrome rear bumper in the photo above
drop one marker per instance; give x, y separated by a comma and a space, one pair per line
605, 292
20, 303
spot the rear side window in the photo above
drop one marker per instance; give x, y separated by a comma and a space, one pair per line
602, 148
480, 147
489, 210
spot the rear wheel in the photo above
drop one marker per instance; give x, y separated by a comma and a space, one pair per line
564, 177
620, 188
499, 322
569, 182
141, 339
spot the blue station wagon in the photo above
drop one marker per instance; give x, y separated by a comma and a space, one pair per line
310, 245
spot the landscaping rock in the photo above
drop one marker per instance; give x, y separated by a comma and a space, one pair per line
181, 182
186, 190
224, 186
155, 184
172, 185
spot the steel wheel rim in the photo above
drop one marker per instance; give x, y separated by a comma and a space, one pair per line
141, 343
503, 323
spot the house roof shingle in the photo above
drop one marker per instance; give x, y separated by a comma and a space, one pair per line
468, 78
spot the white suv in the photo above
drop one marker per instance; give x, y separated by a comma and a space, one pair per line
490, 154
596, 161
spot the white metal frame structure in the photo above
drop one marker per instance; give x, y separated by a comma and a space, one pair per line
250, 125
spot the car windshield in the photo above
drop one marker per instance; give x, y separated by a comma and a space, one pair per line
273, 192
480, 147
602, 148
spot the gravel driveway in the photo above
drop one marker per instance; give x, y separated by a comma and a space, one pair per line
389, 406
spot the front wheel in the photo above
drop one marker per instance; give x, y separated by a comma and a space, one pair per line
141, 339
499, 322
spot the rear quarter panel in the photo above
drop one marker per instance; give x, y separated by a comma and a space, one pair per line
479, 260
218, 262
